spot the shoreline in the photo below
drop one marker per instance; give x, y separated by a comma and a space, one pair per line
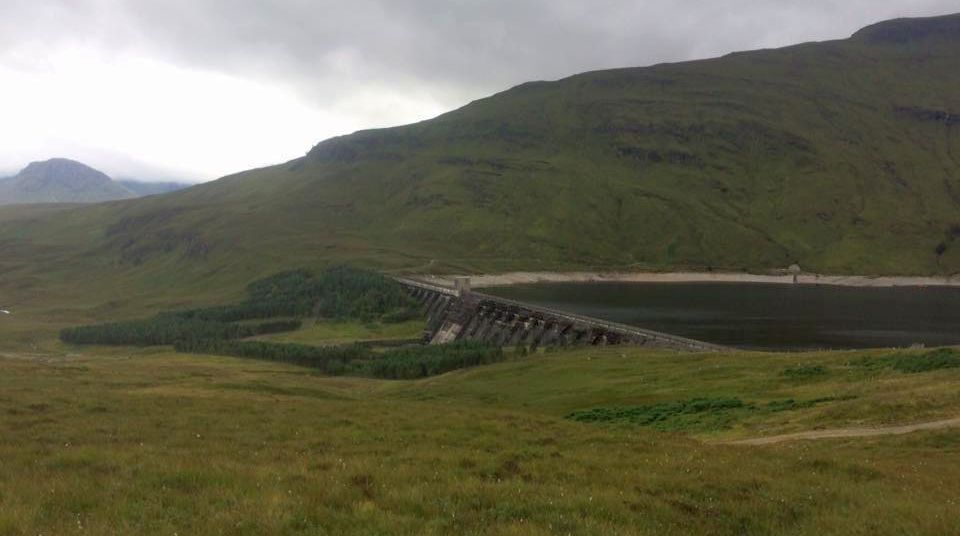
525, 278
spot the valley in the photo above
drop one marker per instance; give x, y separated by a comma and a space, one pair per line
660, 250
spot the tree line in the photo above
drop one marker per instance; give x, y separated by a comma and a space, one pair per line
341, 292
166, 329
328, 359
420, 362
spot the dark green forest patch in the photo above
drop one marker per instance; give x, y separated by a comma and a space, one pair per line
357, 359
339, 293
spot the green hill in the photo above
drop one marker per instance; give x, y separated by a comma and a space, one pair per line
842, 156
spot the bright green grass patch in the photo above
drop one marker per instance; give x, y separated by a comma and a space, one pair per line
944, 358
697, 414
940, 359
805, 372
667, 416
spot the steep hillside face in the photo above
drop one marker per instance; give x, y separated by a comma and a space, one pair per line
60, 181
840, 156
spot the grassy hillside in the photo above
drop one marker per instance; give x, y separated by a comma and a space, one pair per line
842, 156
146, 442
780, 393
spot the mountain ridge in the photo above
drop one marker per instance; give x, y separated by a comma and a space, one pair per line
62, 180
904, 30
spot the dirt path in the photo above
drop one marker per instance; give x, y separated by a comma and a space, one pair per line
850, 432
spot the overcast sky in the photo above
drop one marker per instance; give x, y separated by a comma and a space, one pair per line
196, 89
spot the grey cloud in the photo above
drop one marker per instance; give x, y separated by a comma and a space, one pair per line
469, 47
444, 51
453, 49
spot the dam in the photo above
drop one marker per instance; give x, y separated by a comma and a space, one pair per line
459, 313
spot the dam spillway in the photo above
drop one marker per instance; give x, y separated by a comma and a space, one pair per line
455, 314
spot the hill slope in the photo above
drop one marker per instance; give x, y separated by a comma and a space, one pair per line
59, 180
842, 156
141, 189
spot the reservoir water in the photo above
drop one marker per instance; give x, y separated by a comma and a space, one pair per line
764, 316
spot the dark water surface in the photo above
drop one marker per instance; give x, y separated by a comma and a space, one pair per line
763, 316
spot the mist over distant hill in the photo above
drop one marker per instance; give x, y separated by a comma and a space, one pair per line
60, 180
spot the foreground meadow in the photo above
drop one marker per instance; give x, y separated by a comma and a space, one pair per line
117, 441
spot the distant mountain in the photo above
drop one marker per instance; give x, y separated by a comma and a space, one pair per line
151, 188
60, 180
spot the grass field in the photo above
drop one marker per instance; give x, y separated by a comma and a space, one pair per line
116, 441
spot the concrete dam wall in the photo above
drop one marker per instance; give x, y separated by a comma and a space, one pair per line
455, 314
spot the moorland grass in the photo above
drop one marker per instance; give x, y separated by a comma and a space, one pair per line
585, 379
140, 441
